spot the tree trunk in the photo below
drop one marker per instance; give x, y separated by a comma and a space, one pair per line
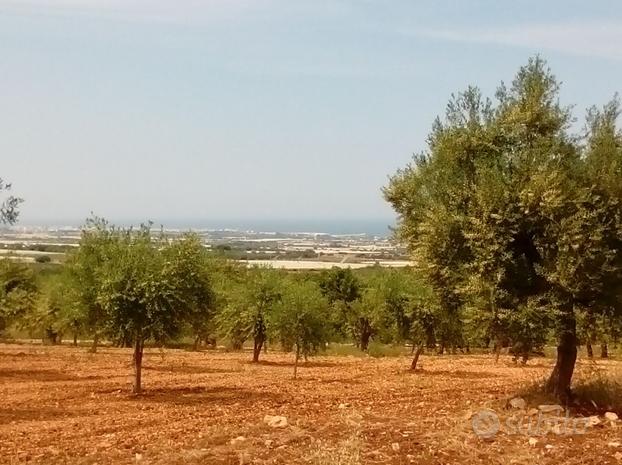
197, 342
441, 349
138, 364
413, 365
296, 361
561, 377
95, 342
604, 350
590, 351
257, 344
75, 339
498, 346
365, 336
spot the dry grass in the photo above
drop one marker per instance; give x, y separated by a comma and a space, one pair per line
62, 405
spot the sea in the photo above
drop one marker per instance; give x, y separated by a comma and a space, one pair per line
370, 227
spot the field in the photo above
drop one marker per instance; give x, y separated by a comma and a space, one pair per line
65, 405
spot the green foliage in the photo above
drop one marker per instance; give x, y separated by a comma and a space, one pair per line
57, 309
84, 266
340, 285
148, 289
9, 206
252, 295
300, 319
18, 291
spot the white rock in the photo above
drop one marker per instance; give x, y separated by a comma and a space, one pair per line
343, 406
592, 421
238, 439
395, 446
275, 421
618, 455
613, 444
533, 442
268, 442
611, 416
518, 403
550, 408
138, 457
548, 447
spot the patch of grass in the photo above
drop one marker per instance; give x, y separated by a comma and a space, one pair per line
535, 394
594, 391
375, 349
344, 350
378, 350
601, 390
347, 452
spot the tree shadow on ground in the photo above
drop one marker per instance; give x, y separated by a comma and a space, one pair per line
220, 395
190, 369
457, 374
13, 415
344, 381
40, 375
301, 364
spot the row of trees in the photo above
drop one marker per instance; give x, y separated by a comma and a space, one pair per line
129, 288
514, 219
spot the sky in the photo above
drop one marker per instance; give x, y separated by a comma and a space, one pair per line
260, 109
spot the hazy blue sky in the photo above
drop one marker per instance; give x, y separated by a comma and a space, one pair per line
260, 109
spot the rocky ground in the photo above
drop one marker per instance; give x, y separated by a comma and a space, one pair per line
63, 405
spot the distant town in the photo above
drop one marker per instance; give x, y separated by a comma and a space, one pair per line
289, 250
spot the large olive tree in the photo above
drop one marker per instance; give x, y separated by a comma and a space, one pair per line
508, 209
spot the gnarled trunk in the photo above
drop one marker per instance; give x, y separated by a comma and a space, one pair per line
561, 377
138, 364
296, 360
365, 336
497, 349
93, 348
418, 351
604, 350
257, 345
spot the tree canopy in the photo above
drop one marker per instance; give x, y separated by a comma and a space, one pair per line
509, 209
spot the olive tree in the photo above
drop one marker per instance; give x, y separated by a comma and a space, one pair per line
142, 288
250, 303
300, 320
18, 291
508, 209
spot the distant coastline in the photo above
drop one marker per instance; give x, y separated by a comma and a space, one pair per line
369, 227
